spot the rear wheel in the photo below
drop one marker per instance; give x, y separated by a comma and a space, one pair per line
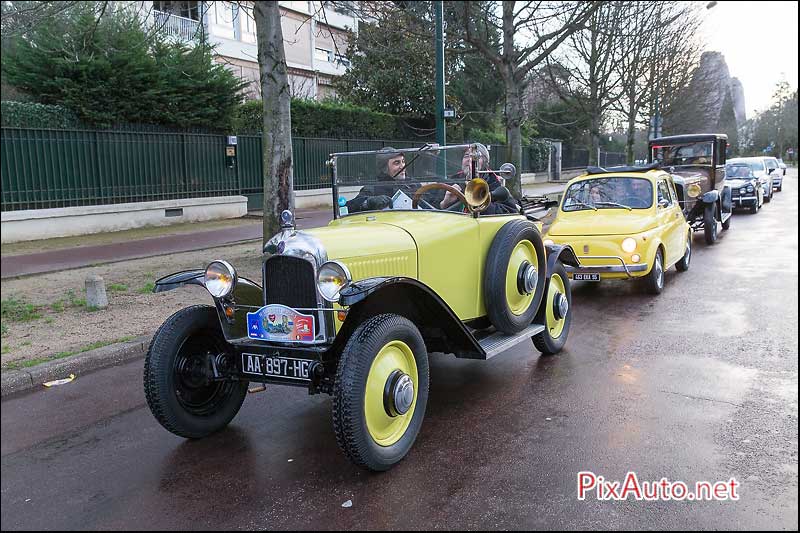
380, 392
179, 385
754, 208
555, 313
710, 223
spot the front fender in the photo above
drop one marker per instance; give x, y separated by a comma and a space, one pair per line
440, 327
560, 252
710, 197
179, 279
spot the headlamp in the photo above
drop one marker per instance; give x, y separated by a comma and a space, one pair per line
331, 279
220, 278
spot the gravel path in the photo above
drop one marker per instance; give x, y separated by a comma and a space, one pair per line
65, 325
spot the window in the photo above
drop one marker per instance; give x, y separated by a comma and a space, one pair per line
320, 54
185, 9
663, 193
224, 13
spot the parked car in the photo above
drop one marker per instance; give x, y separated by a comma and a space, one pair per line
782, 166
624, 223
774, 170
354, 308
746, 190
697, 165
764, 171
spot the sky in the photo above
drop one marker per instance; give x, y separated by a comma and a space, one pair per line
759, 42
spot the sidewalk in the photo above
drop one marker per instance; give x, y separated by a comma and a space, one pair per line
77, 257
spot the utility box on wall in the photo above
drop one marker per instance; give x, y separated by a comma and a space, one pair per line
230, 152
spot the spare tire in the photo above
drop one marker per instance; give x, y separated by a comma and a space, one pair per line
514, 278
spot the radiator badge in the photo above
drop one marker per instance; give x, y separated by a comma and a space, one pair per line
277, 322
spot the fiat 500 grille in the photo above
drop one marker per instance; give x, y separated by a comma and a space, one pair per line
290, 281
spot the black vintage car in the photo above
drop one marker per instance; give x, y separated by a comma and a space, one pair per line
746, 190
697, 165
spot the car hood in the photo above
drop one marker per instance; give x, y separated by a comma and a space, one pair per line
603, 222
369, 249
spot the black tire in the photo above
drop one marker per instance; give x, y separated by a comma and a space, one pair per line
654, 281
683, 264
754, 208
710, 224
349, 391
780, 187
768, 199
544, 341
494, 279
179, 400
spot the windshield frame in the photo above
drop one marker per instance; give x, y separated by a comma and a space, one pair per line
355, 188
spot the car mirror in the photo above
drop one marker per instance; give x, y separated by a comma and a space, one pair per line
769, 170
663, 203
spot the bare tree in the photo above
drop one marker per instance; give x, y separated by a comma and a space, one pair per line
591, 60
277, 133
531, 31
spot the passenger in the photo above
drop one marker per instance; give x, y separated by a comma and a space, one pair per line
502, 200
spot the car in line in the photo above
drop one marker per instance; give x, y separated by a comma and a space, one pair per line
354, 309
763, 168
697, 165
624, 223
746, 191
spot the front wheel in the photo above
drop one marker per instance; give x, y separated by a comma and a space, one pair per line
710, 224
654, 281
180, 388
555, 313
683, 264
380, 392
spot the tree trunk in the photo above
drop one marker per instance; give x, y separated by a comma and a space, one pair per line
594, 138
514, 116
629, 155
277, 133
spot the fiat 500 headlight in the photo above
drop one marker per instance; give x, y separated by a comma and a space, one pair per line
750, 188
693, 190
629, 245
220, 278
744, 190
332, 278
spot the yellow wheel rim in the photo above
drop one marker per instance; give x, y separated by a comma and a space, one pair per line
384, 429
554, 325
523, 252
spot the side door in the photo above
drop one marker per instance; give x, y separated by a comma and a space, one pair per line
669, 220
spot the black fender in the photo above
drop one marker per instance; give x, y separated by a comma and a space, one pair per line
560, 252
246, 296
710, 197
440, 327
178, 279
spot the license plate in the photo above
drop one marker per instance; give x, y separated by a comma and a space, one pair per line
277, 366
586, 277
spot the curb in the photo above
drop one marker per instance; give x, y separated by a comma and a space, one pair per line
15, 381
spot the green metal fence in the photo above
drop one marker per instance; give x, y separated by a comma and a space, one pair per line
44, 168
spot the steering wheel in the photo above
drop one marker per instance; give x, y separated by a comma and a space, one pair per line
432, 186
633, 201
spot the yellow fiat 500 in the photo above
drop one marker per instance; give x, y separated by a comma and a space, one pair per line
428, 252
623, 223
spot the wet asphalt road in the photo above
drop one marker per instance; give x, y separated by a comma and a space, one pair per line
697, 384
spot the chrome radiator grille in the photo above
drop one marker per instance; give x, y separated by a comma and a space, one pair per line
290, 281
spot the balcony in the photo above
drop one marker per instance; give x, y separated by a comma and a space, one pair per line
175, 26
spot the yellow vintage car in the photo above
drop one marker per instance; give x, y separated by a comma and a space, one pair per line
427, 252
623, 223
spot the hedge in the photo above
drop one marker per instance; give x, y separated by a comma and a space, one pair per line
32, 115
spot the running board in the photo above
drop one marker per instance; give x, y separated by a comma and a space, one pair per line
498, 342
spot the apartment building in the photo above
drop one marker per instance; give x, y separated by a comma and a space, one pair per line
314, 34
